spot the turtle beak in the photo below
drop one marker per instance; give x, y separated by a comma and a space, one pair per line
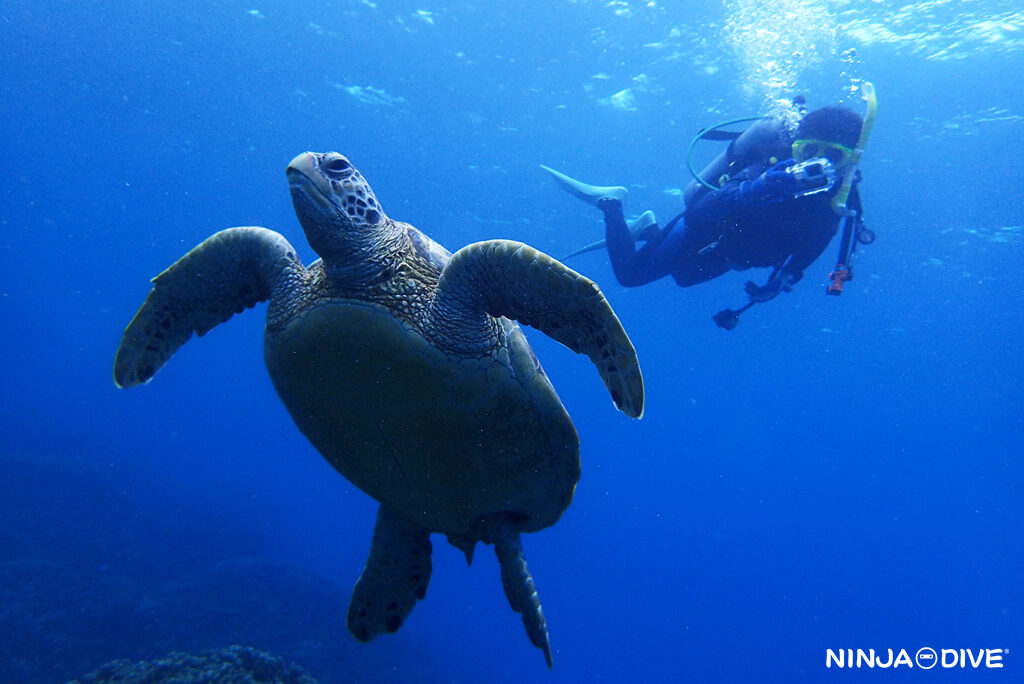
304, 177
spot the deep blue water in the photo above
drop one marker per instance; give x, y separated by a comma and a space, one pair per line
834, 473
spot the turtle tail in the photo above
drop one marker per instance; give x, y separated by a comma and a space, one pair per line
520, 590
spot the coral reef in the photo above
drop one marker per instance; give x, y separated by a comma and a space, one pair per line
231, 665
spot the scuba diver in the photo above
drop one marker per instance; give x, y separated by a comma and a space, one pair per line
774, 198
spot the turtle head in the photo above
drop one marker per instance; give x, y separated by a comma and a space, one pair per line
337, 209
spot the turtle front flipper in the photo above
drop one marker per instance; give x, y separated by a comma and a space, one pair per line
395, 577
518, 584
507, 278
225, 274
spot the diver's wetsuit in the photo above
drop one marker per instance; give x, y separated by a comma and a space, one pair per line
719, 232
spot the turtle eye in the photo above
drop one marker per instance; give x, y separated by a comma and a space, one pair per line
337, 165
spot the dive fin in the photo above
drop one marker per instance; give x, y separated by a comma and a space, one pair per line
590, 194
643, 227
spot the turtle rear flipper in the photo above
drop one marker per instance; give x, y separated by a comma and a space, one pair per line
510, 279
225, 274
519, 589
395, 577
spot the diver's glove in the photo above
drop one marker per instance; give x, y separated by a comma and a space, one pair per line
774, 185
783, 282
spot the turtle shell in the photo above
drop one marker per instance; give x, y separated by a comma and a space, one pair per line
442, 438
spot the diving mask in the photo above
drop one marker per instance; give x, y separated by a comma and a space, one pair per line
810, 148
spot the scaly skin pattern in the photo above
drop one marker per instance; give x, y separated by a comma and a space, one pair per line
405, 286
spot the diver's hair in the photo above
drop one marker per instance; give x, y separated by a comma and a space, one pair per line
837, 124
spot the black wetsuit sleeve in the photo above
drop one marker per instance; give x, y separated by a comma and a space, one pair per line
816, 239
713, 206
807, 252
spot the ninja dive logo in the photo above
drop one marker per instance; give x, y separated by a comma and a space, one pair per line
925, 658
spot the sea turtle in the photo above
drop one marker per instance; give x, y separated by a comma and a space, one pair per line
401, 363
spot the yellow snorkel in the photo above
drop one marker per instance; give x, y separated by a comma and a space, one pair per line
867, 93
852, 232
